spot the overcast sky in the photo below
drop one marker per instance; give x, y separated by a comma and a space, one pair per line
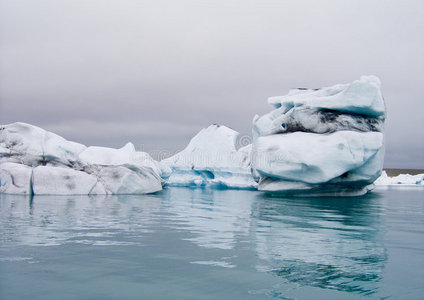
156, 72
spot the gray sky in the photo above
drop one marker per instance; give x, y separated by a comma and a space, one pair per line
156, 72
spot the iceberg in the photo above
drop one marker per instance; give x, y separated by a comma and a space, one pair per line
36, 161
325, 141
400, 180
211, 159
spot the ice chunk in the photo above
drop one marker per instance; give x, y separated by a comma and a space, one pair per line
31, 145
212, 146
15, 178
358, 106
127, 179
401, 179
94, 155
315, 121
211, 159
362, 97
49, 180
326, 141
313, 158
95, 179
114, 157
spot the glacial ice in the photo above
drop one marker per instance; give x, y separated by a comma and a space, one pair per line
95, 180
211, 159
95, 155
361, 97
326, 141
15, 178
47, 180
300, 156
126, 179
32, 146
401, 179
35, 161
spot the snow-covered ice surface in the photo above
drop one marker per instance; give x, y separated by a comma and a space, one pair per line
211, 159
32, 146
361, 97
328, 141
95, 155
35, 161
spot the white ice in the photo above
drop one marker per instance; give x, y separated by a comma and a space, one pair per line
357, 106
33, 160
95, 155
314, 158
324, 141
211, 159
31, 145
126, 179
362, 96
400, 180
15, 178
49, 180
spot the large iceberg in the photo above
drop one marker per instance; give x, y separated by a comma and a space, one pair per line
212, 159
325, 141
35, 161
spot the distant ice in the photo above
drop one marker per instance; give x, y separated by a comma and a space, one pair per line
402, 180
222, 264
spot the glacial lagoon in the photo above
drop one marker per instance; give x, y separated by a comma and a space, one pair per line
185, 243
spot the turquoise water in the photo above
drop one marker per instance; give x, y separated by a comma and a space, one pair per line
212, 244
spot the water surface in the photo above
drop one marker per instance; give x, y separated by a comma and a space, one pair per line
212, 244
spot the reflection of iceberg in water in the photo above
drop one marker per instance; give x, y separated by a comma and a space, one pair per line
326, 243
92, 220
323, 244
215, 218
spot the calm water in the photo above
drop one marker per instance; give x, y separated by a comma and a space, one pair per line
212, 244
